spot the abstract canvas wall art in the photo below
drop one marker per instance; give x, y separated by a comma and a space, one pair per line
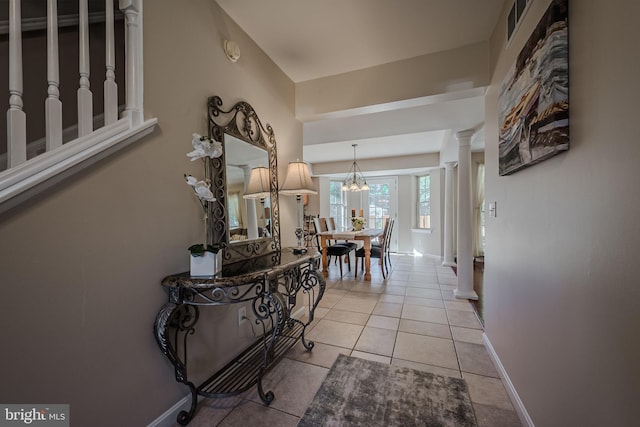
534, 100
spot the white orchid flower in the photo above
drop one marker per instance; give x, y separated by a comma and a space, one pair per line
215, 149
191, 180
203, 191
204, 147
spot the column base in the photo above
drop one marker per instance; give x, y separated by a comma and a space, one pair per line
465, 294
449, 264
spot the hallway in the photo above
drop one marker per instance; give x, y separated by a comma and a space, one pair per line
411, 319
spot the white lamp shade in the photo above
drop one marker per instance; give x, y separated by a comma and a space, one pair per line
259, 186
298, 181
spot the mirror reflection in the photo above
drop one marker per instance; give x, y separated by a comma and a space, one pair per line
248, 201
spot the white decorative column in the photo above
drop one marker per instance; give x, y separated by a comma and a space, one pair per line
465, 218
252, 217
449, 220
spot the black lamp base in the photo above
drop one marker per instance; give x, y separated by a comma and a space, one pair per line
299, 250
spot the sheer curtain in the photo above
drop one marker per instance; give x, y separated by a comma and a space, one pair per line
478, 243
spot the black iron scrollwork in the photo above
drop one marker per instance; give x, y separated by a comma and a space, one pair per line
242, 122
180, 319
222, 295
272, 293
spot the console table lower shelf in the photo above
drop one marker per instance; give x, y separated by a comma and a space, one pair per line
272, 293
243, 372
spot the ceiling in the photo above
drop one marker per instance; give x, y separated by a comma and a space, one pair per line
313, 39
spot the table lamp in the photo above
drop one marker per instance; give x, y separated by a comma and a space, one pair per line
297, 183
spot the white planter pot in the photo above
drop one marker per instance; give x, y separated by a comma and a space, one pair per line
208, 265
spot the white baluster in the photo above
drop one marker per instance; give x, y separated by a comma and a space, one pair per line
133, 37
85, 97
52, 105
16, 118
110, 86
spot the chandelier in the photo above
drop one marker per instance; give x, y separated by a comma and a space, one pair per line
354, 181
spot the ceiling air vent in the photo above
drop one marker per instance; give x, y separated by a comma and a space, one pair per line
516, 13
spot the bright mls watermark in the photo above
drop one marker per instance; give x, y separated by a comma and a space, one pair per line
34, 415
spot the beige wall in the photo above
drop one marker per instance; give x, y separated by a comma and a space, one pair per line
561, 267
435, 74
81, 264
376, 164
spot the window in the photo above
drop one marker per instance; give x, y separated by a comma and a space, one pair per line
424, 202
337, 204
234, 211
517, 11
379, 203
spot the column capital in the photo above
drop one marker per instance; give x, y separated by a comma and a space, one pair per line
464, 136
450, 165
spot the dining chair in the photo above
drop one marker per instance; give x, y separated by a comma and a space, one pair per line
331, 226
388, 246
377, 251
336, 250
390, 222
323, 225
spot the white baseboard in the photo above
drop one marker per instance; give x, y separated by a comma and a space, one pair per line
170, 416
511, 390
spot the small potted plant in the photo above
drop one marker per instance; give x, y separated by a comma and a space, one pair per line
206, 259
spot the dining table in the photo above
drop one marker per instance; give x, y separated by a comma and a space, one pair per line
365, 235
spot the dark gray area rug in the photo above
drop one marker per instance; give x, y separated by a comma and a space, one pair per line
360, 392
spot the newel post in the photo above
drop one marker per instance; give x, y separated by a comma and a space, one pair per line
133, 39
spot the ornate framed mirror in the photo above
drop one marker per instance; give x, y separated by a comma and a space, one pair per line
249, 226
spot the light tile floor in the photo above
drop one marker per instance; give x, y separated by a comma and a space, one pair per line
410, 319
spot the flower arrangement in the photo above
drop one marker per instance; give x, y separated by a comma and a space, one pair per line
357, 222
203, 147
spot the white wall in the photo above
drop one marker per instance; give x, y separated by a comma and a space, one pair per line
561, 269
313, 208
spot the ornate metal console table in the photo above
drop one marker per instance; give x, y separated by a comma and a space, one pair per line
271, 284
